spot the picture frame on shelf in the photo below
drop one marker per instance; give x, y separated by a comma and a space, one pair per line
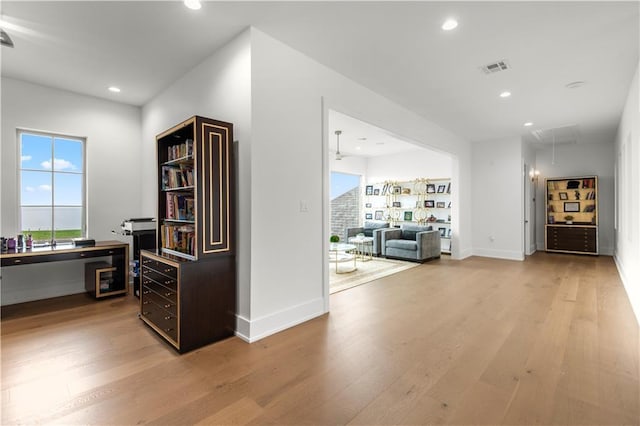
396, 204
379, 215
368, 216
368, 205
429, 204
449, 205
440, 204
449, 188
369, 190
449, 233
408, 216
443, 232
563, 196
572, 206
376, 191
431, 188
397, 189
441, 189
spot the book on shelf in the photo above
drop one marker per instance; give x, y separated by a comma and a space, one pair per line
177, 176
183, 150
179, 238
180, 207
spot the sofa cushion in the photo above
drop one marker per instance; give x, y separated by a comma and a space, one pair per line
403, 244
368, 232
375, 225
409, 231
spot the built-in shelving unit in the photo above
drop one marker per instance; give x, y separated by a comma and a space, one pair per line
189, 283
572, 215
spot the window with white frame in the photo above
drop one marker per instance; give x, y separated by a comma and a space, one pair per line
52, 186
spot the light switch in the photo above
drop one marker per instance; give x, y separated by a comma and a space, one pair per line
303, 206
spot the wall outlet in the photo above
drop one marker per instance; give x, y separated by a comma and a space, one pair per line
303, 206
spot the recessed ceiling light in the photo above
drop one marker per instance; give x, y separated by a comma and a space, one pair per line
114, 89
505, 94
449, 24
379, 143
358, 148
362, 139
193, 4
528, 124
574, 84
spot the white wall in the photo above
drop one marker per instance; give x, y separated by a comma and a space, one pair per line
218, 88
529, 167
581, 159
627, 233
113, 153
424, 163
497, 199
291, 97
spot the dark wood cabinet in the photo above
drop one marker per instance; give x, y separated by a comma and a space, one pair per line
188, 293
572, 215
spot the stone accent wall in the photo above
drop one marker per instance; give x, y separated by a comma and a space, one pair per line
345, 212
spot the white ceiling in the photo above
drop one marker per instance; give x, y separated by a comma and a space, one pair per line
395, 48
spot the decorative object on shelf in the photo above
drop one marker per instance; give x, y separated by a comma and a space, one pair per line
568, 219
397, 189
334, 239
441, 189
432, 218
571, 206
429, 204
443, 232
431, 188
440, 204
397, 204
376, 191
406, 191
563, 196
577, 194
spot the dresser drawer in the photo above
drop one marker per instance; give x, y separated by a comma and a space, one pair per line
166, 292
160, 267
165, 321
164, 280
150, 296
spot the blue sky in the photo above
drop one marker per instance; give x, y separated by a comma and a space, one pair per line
341, 183
37, 163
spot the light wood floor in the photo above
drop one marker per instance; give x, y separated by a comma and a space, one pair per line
551, 340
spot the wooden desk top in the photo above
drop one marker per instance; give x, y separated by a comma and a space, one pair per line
61, 249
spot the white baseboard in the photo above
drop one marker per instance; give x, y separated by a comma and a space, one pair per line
259, 328
464, 254
499, 254
634, 298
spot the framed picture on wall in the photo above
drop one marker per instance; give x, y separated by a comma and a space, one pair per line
408, 216
369, 190
441, 189
368, 216
379, 214
429, 204
396, 204
431, 188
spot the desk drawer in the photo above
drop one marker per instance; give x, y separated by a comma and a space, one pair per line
165, 280
166, 292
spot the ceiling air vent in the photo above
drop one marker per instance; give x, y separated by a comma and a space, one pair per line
495, 67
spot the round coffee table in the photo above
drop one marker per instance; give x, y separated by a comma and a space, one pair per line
341, 252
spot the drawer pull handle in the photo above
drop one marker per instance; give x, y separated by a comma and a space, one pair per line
168, 294
17, 261
168, 305
168, 282
110, 251
145, 313
168, 317
168, 270
168, 329
145, 292
146, 302
82, 255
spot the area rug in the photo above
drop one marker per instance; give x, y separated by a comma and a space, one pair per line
366, 272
